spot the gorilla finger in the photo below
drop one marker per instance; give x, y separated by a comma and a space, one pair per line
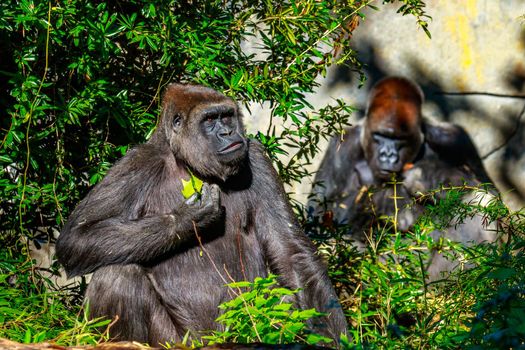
216, 194
206, 194
193, 199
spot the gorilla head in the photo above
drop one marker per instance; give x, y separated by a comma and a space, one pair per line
204, 130
392, 135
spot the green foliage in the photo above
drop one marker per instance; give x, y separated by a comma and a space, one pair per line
264, 312
84, 78
391, 303
30, 313
498, 285
191, 186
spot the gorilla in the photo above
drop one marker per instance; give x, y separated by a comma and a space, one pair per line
160, 261
395, 142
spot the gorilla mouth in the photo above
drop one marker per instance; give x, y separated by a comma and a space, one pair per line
231, 147
389, 168
384, 173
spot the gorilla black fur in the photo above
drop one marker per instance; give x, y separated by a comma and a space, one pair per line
395, 139
140, 237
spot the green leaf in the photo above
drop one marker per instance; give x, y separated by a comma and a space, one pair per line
5, 158
27, 336
316, 338
502, 273
191, 186
187, 188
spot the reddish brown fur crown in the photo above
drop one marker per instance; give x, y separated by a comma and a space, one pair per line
395, 104
186, 97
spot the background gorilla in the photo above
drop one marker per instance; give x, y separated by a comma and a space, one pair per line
395, 140
140, 236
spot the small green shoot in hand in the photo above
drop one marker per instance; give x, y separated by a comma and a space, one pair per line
191, 186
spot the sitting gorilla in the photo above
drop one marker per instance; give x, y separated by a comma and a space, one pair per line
160, 261
396, 141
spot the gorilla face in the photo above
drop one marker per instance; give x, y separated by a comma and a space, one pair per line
220, 125
389, 153
392, 134
205, 132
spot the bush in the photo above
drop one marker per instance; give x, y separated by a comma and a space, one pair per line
391, 304
262, 312
30, 313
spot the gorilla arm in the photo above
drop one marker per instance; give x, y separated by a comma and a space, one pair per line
289, 253
455, 146
117, 223
342, 170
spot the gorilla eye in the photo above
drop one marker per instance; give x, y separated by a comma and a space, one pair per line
226, 118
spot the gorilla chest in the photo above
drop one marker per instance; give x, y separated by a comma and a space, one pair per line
198, 274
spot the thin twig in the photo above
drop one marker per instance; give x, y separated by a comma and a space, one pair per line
207, 254
477, 93
245, 303
28, 150
510, 136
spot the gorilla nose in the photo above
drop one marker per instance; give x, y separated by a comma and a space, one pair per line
388, 157
225, 132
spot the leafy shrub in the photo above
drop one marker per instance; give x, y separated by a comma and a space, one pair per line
391, 304
263, 312
498, 286
83, 80
30, 313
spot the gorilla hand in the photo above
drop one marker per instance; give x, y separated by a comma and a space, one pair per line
205, 208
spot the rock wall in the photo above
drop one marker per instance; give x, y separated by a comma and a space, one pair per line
472, 71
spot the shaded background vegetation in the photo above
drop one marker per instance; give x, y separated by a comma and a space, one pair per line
81, 81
